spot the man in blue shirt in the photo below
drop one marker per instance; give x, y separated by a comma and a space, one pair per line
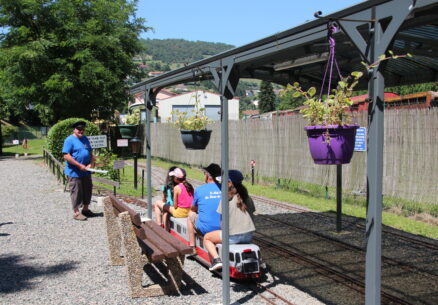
203, 216
79, 158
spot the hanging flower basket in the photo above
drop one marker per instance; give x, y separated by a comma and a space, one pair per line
128, 131
195, 139
333, 144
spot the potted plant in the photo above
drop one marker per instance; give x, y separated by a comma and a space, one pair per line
331, 135
130, 130
193, 127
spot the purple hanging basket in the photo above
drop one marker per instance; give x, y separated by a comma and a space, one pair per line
340, 148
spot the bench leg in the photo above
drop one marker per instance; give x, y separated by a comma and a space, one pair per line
135, 262
174, 276
113, 233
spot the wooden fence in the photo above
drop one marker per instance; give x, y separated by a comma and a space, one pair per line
280, 149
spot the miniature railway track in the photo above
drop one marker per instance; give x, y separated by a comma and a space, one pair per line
333, 274
271, 300
360, 226
347, 246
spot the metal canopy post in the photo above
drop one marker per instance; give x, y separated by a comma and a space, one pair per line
149, 104
226, 85
339, 198
378, 44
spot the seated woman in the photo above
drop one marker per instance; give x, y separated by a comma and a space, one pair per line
167, 197
241, 209
182, 197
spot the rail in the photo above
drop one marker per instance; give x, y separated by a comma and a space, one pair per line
55, 166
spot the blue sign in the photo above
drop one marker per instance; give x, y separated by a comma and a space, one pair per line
361, 139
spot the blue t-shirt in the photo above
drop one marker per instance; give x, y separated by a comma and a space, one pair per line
80, 150
207, 198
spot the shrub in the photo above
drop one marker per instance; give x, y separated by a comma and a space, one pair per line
61, 130
8, 131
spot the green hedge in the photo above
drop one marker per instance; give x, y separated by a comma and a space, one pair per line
61, 130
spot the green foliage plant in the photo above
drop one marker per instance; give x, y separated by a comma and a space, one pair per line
105, 161
333, 110
134, 117
197, 121
61, 130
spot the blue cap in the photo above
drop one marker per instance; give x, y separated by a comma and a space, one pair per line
235, 176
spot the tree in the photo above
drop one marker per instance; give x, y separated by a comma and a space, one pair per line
67, 57
266, 97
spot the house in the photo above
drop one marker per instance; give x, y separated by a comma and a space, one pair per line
155, 73
186, 102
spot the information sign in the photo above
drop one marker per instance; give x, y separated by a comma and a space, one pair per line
361, 139
98, 141
15, 142
122, 143
118, 164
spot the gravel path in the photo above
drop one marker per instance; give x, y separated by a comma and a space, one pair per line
46, 257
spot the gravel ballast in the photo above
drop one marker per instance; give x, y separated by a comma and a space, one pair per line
46, 257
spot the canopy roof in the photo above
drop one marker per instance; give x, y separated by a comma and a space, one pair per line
300, 54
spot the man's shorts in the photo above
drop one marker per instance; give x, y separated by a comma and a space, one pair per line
193, 218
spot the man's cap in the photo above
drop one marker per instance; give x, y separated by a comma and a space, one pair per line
234, 176
178, 172
213, 170
79, 124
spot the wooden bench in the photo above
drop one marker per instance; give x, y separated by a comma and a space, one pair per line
143, 243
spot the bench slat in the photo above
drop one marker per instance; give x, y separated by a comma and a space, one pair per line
148, 248
181, 247
156, 239
121, 207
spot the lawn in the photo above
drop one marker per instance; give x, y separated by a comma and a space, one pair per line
34, 147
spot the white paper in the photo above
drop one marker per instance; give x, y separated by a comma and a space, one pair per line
101, 171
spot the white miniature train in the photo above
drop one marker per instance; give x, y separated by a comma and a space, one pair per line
245, 259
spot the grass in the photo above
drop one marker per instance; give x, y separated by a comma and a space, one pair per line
127, 183
314, 197
35, 147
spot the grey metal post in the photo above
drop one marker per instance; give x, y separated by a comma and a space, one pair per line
148, 159
375, 175
339, 197
224, 190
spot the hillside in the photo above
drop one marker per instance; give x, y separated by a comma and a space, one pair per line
173, 51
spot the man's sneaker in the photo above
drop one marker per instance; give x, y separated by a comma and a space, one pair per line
216, 264
88, 213
79, 217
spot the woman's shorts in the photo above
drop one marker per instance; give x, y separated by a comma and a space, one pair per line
244, 238
181, 212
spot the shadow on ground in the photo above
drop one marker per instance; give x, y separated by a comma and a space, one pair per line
16, 275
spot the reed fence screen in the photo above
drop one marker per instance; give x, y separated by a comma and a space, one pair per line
279, 147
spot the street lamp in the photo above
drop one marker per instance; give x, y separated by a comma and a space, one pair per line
135, 148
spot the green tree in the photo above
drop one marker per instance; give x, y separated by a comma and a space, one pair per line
67, 57
266, 97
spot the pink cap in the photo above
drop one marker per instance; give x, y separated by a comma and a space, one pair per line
178, 172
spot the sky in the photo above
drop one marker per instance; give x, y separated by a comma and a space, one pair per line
235, 22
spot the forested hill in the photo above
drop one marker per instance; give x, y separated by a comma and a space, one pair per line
182, 51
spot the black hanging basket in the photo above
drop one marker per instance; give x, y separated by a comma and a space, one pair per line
195, 139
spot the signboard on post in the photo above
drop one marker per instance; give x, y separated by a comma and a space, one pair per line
122, 143
118, 164
98, 141
361, 139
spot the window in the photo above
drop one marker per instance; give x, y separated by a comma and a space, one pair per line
213, 112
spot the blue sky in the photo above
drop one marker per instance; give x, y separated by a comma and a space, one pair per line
236, 22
